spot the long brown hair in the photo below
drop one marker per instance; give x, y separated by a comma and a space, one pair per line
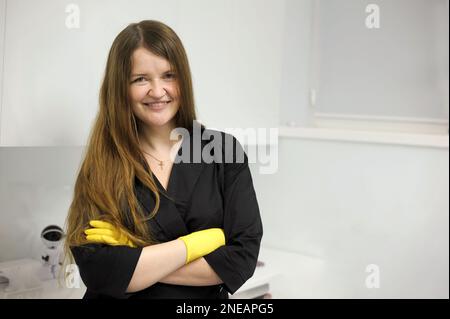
104, 188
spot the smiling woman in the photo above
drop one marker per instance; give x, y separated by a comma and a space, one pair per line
142, 224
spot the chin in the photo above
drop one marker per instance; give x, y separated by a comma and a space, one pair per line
158, 122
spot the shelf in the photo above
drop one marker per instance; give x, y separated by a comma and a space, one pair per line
359, 136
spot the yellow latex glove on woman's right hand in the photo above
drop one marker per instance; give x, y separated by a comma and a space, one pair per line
105, 233
203, 242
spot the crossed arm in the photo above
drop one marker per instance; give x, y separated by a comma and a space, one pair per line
196, 273
178, 262
166, 263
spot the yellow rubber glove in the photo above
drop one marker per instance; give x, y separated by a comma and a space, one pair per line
203, 242
105, 233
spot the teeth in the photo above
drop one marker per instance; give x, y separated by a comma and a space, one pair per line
148, 104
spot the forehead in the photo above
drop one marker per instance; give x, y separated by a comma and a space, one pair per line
144, 61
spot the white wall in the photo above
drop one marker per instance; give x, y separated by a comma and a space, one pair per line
355, 204
53, 73
441, 16
235, 50
2, 48
296, 64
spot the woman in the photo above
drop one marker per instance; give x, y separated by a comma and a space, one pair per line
143, 223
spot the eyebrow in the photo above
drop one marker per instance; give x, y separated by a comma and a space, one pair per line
144, 74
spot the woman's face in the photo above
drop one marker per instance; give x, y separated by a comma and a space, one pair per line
152, 85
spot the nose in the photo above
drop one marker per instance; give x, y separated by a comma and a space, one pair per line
156, 90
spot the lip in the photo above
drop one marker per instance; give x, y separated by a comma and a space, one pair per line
157, 106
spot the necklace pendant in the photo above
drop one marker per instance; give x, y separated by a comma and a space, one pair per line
161, 164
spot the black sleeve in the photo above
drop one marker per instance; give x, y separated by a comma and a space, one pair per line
106, 270
235, 262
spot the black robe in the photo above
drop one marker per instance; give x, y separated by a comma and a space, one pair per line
218, 194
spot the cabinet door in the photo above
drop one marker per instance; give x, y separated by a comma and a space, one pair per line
391, 68
52, 72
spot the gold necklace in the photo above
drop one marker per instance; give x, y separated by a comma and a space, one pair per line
161, 163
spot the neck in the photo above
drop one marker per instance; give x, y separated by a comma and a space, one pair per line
157, 139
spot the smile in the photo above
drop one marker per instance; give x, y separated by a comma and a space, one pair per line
157, 105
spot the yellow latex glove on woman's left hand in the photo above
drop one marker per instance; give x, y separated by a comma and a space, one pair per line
105, 233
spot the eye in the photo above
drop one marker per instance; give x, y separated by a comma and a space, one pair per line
170, 75
139, 79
